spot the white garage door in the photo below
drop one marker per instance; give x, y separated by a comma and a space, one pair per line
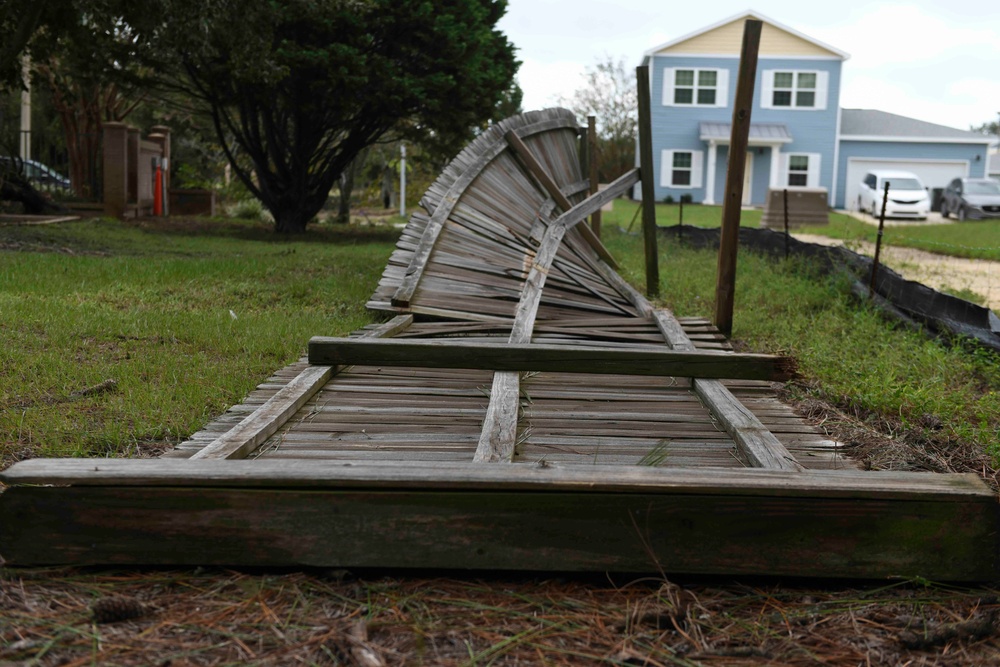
933, 173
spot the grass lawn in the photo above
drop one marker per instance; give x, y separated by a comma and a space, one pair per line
976, 240
185, 318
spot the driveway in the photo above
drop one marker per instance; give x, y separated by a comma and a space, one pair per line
933, 218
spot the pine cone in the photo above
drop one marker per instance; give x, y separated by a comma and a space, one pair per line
116, 609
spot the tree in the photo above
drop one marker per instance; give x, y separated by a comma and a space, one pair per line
991, 128
610, 96
302, 87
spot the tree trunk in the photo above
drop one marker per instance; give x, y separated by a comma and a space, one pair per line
346, 186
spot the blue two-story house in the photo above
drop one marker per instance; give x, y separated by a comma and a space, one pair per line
797, 133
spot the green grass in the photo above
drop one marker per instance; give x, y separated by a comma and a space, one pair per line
977, 240
149, 307
186, 320
848, 354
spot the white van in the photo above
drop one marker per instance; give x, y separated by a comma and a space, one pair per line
908, 197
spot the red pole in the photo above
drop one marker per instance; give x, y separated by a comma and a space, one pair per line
157, 189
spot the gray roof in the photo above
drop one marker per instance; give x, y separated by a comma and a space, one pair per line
761, 132
872, 123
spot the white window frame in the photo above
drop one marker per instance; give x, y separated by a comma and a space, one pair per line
667, 169
819, 98
721, 87
812, 170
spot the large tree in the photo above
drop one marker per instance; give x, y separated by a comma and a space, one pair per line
609, 94
303, 86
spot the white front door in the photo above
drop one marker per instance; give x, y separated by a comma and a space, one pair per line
748, 180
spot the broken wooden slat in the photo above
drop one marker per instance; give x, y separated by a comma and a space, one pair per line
631, 360
251, 433
499, 432
486, 154
609, 518
533, 167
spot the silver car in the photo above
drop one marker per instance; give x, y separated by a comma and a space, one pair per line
971, 199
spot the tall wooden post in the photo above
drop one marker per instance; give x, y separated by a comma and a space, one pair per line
595, 220
725, 288
648, 185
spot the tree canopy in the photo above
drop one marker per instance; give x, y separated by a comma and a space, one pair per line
609, 94
302, 87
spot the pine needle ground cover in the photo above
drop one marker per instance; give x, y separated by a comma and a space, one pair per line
147, 305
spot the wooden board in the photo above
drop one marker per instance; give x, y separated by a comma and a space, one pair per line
633, 360
501, 517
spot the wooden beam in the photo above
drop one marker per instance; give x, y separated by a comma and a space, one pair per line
648, 184
499, 433
533, 167
653, 360
732, 204
594, 203
595, 219
265, 421
722, 521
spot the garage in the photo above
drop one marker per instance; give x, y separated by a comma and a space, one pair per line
935, 174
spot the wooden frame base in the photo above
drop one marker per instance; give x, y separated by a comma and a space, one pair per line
506, 517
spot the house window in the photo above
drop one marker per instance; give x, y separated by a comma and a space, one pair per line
788, 89
681, 169
680, 174
802, 169
798, 170
695, 87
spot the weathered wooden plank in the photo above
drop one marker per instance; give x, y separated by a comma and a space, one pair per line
634, 360
432, 230
643, 85
269, 417
725, 288
937, 487
838, 527
533, 167
499, 432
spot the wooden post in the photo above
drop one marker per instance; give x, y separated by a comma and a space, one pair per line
595, 220
648, 185
878, 241
725, 288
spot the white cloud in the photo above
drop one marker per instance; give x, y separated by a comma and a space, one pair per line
544, 82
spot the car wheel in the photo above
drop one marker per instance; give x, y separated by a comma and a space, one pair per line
961, 214
944, 209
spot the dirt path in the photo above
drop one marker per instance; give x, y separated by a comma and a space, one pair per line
944, 273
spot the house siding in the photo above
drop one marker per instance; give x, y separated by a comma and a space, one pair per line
907, 150
677, 127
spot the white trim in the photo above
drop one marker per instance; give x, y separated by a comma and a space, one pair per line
906, 159
713, 154
747, 180
776, 157
749, 13
736, 56
832, 195
915, 140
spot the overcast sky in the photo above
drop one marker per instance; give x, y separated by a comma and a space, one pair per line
931, 60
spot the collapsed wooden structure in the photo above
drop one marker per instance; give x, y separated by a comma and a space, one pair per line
522, 407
